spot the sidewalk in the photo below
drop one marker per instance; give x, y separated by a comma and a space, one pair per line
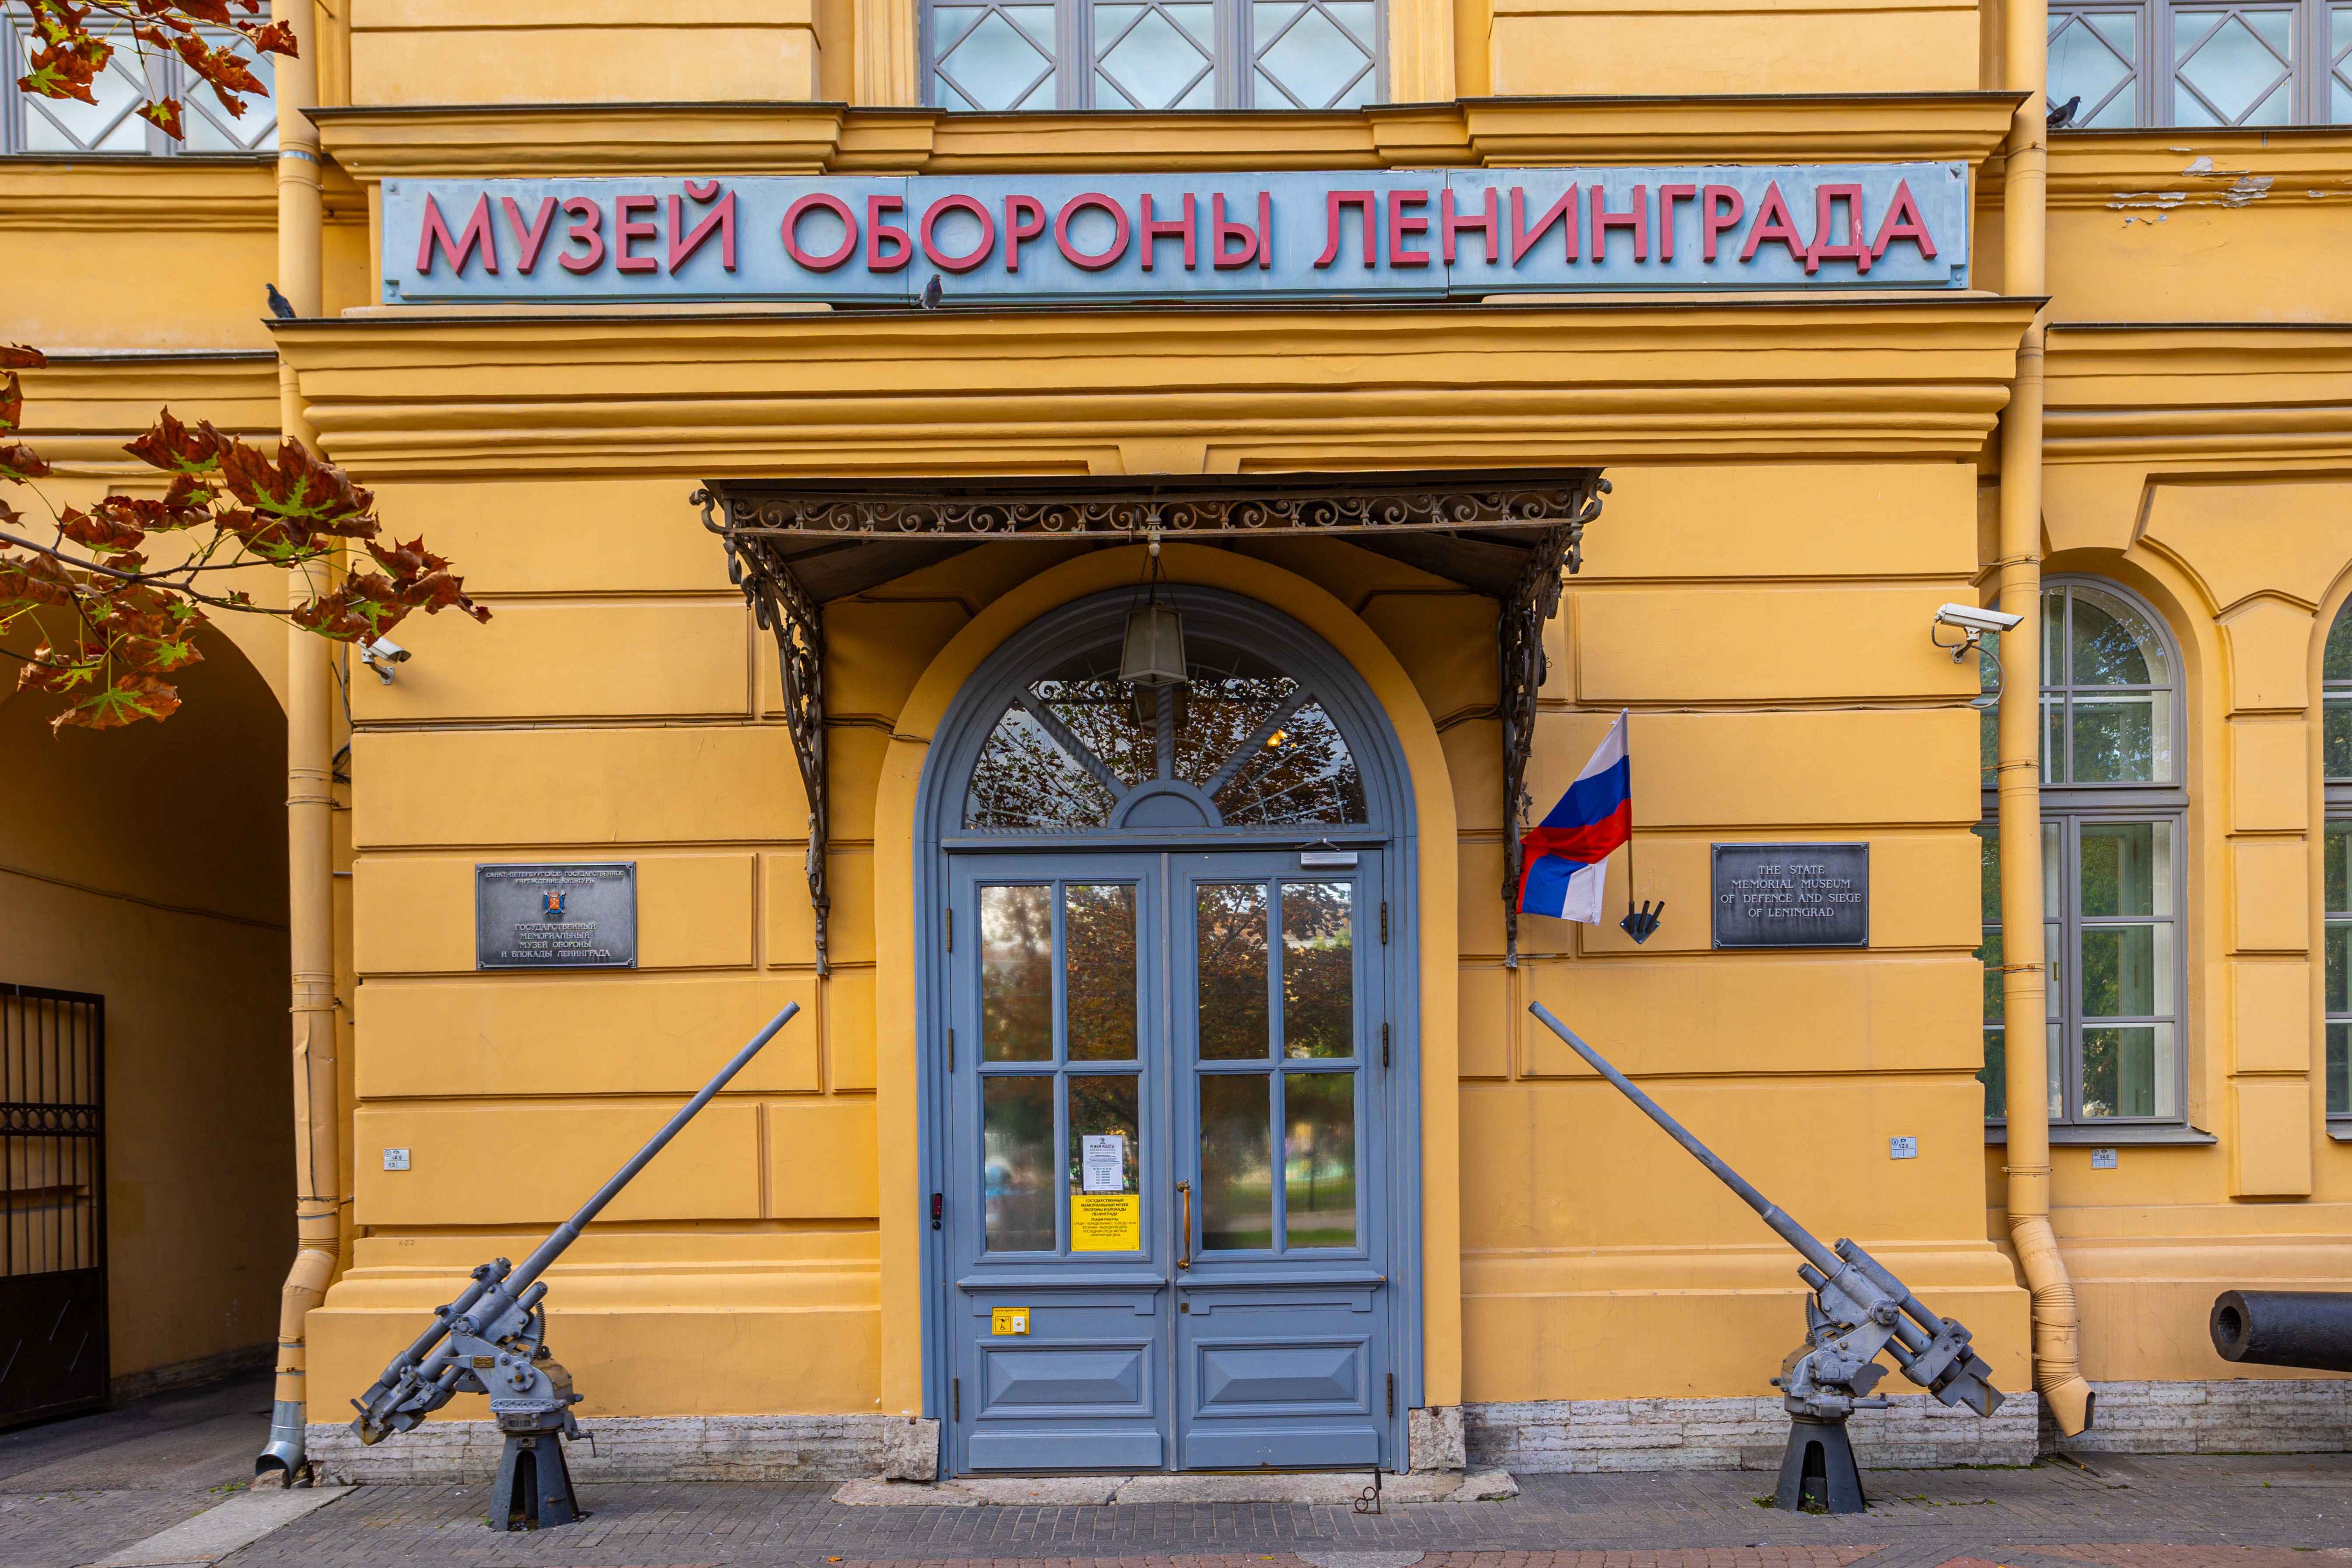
73, 1492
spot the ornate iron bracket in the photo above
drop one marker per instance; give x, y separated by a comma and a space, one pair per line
1534, 599
781, 605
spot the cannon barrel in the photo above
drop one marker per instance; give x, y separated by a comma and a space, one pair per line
1808, 1245
499, 1299
2307, 1329
495, 1304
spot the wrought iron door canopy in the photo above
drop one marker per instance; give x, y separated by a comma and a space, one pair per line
794, 545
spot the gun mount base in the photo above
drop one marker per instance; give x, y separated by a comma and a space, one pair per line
1817, 1471
533, 1489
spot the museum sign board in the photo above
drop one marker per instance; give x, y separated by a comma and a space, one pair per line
1397, 234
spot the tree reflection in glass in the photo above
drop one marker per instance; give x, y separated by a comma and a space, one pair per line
2119, 704
1016, 974
1230, 935
1099, 930
1318, 970
1017, 1163
1319, 1159
1236, 1163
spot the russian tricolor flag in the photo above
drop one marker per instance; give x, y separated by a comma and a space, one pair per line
1568, 853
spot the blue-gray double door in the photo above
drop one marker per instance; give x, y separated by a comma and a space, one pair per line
1167, 1116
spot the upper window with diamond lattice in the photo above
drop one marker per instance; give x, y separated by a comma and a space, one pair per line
110, 121
2113, 66
1158, 55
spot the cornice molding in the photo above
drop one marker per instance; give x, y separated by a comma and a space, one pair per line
2232, 395
948, 392
2167, 168
82, 408
459, 139
133, 195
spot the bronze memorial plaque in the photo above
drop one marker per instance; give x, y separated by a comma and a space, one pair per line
1791, 895
556, 917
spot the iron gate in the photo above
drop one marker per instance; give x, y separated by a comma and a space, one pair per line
53, 1353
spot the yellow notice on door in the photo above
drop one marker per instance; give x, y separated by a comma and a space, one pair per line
1008, 1320
1106, 1222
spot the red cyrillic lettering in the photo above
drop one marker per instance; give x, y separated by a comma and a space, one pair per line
1636, 217
624, 231
1153, 232
1773, 222
1856, 250
1667, 197
1713, 219
1264, 229
877, 231
477, 236
1451, 222
1220, 231
683, 244
832, 258
533, 237
1362, 201
1904, 222
987, 233
1015, 231
576, 208
1401, 226
1078, 258
1563, 212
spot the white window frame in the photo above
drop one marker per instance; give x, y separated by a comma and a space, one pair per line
1075, 56
2155, 90
2066, 810
164, 76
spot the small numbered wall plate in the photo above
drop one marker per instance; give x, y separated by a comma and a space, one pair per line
1008, 1320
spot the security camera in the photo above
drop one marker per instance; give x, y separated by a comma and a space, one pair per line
1973, 623
1969, 618
380, 654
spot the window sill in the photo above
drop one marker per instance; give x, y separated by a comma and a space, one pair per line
2340, 1131
2132, 1134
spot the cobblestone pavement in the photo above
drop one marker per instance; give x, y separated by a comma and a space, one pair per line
2252, 1511
73, 1491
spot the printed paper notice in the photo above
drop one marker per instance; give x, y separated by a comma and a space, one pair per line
1106, 1222
1102, 1162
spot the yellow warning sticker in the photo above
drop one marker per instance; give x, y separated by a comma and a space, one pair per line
1106, 1222
1008, 1320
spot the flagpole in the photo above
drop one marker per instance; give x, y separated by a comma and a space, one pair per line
1625, 717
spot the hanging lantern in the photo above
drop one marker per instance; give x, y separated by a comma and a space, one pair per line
1153, 655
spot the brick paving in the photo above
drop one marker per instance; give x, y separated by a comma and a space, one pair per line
2204, 1511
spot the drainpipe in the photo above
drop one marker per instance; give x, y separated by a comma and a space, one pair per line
310, 800
2057, 1357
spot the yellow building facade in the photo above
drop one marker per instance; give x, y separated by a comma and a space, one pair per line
2119, 416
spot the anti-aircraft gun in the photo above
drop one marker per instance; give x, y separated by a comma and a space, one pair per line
1858, 1309
493, 1339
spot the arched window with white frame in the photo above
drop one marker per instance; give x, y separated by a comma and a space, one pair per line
2114, 868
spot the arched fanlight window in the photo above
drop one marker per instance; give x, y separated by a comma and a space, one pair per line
2109, 691
1243, 744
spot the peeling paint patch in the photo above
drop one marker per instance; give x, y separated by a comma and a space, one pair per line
2203, 165
2249, 188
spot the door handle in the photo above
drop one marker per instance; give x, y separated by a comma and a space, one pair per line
1184, 1238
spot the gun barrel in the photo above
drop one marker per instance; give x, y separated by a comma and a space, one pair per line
568, 1231
1795, 1235
2308, 1329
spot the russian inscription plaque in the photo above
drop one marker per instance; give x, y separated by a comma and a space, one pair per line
1791, 895
556, 917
